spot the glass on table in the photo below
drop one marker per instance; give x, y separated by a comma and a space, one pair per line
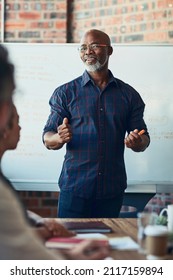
144, 219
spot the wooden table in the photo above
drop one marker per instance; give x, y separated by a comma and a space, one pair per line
120, 227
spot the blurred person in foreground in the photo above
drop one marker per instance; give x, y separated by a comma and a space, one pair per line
18, 240
91, 115
9, 139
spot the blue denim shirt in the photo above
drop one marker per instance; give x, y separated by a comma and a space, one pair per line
94, 159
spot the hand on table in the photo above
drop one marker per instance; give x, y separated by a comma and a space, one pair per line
88, 250
50, 228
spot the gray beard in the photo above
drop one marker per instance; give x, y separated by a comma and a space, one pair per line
95, 67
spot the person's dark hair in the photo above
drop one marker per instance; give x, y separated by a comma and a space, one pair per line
6, 74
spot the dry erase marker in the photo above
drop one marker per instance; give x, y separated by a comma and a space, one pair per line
141, 132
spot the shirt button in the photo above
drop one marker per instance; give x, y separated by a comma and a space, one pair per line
101, 109
100, 173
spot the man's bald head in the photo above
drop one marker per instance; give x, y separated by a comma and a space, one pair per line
101, 36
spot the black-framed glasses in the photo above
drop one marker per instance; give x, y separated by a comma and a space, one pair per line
92, 47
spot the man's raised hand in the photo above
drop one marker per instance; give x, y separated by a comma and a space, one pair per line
64, 131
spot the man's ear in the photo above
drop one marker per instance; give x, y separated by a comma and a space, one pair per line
110, 51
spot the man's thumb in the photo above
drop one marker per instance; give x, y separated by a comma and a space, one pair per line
65, 121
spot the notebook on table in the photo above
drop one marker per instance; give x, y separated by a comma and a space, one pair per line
68, 242
88, 227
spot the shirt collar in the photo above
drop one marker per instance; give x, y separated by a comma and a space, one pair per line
86, 78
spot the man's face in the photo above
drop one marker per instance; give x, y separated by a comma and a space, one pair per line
94, 52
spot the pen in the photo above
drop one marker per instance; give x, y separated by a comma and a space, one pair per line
141, 132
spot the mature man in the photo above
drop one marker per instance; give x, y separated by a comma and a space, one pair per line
92, 114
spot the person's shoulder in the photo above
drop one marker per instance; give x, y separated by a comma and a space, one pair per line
123, 83
69, 84
6, 193
126, 87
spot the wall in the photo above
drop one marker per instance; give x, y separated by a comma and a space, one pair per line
45, 203
36, 21
42, 203
126, 21
61, 21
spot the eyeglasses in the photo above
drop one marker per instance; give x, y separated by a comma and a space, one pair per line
92, 47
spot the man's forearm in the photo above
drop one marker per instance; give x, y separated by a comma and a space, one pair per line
51, 141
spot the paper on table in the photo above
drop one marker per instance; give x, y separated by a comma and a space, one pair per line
91, 235
123, 243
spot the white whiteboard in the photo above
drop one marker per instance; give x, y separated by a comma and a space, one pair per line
40, 68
